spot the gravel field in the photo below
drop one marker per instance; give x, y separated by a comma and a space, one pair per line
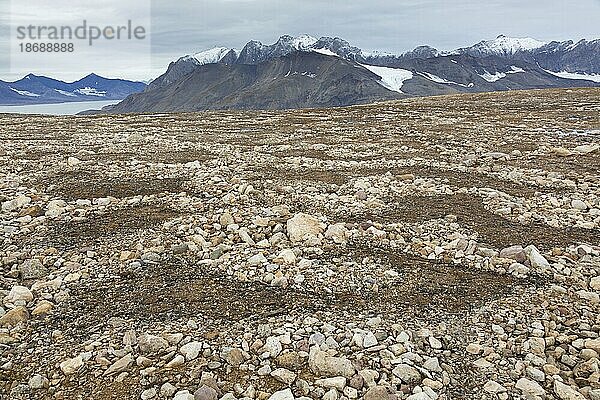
424, 249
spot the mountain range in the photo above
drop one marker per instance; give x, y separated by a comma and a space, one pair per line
301, 72
34, 89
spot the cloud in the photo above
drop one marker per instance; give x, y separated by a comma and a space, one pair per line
188, 26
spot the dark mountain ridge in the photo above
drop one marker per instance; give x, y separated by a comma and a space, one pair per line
35, 89
330, 72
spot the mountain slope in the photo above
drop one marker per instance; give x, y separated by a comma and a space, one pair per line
298, 80
33, 89
297, 72
582, 57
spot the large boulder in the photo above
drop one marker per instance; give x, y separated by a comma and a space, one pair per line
338, 233
149, 344
14, 317
565, 392
19, 293
285, 394
536, 259
516, 253
324, 365
530, 388
32, 269
303, 227
407, 374
72, 365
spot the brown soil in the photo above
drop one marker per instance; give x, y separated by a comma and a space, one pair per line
108, 227
178, 290
493, 229
165, 156
307, 175
573, 166
90, 185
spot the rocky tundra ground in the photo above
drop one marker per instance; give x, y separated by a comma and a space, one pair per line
437, 248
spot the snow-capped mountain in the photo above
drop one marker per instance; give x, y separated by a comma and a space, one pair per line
34, 89
255, 52
568, 57
582, 57
559, 57
297, 80
501, 46
307, 72
214, 55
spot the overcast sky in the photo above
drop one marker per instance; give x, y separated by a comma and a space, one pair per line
180, 27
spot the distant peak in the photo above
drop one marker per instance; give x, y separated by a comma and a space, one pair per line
507, 45
211, 56
303, 42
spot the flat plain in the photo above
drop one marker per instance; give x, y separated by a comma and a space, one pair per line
432, 248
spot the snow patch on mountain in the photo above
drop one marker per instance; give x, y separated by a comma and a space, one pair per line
391, 78
24, 92
375, 54
303, 42
515, 70
574, 75
512, 45
437, 79
499, 75
327, 52
211, 56
492, 77
88, 91
64, 93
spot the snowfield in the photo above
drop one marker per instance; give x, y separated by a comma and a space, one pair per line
303, 42
211, 56
506, 45
574, 75
327, 52
88, 91
391, 78
437, 79
24, 92
64, 93
499, 75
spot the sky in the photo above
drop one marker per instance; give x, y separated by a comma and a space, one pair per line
182, 27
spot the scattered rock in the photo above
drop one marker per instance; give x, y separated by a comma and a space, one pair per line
283, 375
19, 294
377, 393
205, 393
33, 269
407, 374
